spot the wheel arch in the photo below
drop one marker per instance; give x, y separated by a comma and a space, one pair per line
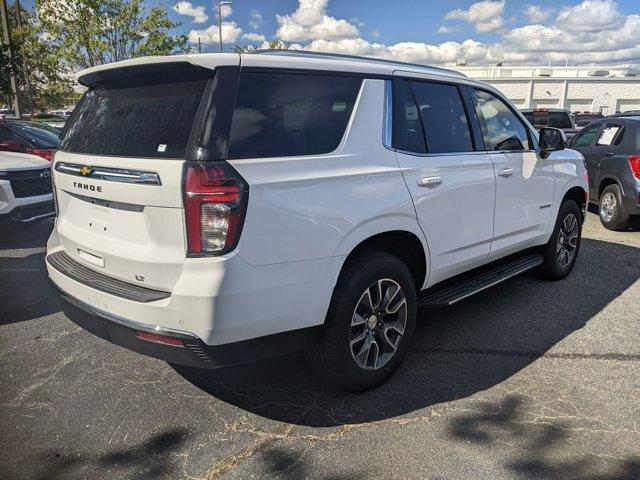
407, 246
579, 195
605, 182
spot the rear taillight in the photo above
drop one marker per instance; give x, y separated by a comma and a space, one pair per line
46, 154
161, 339
634, 163
215, 198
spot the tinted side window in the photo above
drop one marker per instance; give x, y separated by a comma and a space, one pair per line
407, 130
587, 136
443, 117
285, 114
503, 130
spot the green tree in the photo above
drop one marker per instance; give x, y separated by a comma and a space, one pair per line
93, 32
273, 45
40, 74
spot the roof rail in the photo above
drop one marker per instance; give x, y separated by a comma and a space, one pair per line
308, 53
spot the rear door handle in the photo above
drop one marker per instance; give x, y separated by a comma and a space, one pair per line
429, 181
506, 172
609, 154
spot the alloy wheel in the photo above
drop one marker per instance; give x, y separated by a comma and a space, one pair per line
567, 239
608, 206
378, 324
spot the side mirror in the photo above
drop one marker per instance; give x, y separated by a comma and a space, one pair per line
551, 140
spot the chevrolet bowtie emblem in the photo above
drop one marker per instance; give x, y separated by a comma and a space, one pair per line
86, 171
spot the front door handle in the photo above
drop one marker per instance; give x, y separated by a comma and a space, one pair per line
429, 181
506, 172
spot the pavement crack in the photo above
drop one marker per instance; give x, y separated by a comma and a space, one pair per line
620, 357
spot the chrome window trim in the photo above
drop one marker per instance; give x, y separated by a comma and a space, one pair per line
111, 174
444, 154
387, 125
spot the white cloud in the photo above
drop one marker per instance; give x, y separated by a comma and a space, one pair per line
253, 37
310, 22
357, 22
375, 33
256, 19
230, 34
189, 10
579, 39
590, 16
448, 29
485, 15
537, 14
225, 10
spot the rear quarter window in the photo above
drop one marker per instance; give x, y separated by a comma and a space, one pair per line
287, 114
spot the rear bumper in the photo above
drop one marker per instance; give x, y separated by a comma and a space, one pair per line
30, 212
193, 351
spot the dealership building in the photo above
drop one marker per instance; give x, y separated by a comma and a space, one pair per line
585, 89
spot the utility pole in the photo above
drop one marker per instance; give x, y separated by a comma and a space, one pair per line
199, 46
6, 40
220, 4
25, 70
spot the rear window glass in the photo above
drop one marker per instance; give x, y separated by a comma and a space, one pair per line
549, 119
285, 114
141, 117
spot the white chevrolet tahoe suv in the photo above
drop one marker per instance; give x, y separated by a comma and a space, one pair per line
25, 189
221, 208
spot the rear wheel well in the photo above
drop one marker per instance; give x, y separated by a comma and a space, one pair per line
403, 245
604, 184
578, 195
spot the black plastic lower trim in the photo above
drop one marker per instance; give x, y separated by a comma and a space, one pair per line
29, 213
195, 352
62, 262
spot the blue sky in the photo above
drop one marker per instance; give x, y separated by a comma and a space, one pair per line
512, 31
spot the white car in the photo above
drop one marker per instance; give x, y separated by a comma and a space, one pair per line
25, 188
221, 208
61, 113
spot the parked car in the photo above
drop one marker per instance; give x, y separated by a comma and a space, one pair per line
242, 206
551, 117
585, 118
66, 113
6, 113
611, 148
28, 137
25, 188
628, 113
55, 121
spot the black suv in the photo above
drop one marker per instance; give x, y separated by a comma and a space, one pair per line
611, 148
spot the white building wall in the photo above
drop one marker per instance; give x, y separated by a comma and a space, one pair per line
573, 88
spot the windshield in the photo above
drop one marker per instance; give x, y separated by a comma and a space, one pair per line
41, 136
147, 116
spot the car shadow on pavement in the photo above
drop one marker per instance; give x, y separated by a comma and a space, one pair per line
25, 291
537, 443
456, 351
151, 458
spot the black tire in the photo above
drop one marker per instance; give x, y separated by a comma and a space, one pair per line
332, 355
556, 264
613, 216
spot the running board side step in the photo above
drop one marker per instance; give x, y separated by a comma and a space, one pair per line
452, 291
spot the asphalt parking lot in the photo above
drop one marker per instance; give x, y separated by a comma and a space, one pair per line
530, 379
